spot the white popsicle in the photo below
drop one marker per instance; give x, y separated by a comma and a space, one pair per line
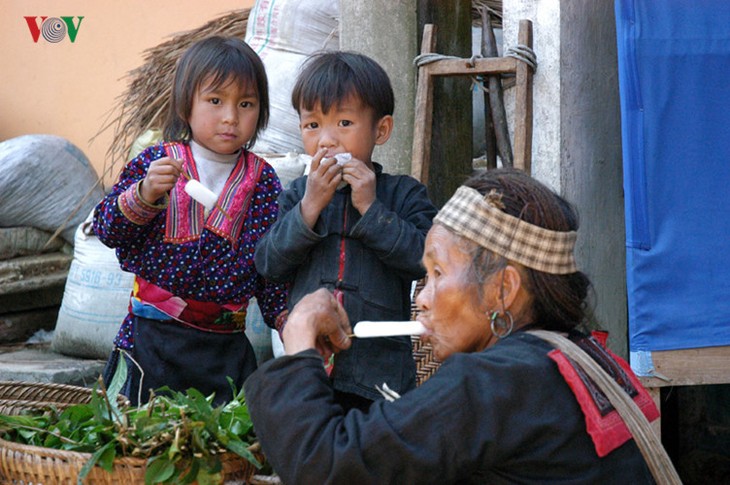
341, 159
201, 193
366, 329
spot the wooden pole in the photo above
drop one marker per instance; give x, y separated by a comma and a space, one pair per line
451, 156
523, 104
421, 157
496, 95
489, 135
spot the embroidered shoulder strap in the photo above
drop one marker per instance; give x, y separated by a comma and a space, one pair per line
186, 217
651, 447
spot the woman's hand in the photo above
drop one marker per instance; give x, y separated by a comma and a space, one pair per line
160, 179
319, 322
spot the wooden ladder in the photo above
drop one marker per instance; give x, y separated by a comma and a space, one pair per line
485, 66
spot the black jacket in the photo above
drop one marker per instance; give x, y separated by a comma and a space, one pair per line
500, 416
383, 251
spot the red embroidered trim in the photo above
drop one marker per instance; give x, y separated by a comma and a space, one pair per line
607, 432
280, 323
202, 315
186, 217
135, 209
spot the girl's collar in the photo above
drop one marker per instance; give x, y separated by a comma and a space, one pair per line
199, 151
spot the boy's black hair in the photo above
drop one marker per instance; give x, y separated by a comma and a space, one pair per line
328, 78
223, 58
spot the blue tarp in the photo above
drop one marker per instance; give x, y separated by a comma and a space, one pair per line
674, 78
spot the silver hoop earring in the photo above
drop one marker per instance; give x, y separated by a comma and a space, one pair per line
501, 326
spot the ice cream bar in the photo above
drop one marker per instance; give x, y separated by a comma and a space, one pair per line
343, 157
201, 193
366, 329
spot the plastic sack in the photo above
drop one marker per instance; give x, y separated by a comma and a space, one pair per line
284, 33
45, 180
95, 299
26, 241
258, 333
288, 167
146, 139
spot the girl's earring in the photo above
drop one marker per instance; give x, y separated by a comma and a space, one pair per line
501, 326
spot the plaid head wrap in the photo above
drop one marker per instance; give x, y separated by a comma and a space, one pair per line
473, 216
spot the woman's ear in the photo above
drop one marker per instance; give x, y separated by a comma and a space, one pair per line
383, 129
503, 289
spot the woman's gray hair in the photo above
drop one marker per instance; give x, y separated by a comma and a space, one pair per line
484, 263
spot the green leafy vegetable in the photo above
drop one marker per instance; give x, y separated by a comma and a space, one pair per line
181, 435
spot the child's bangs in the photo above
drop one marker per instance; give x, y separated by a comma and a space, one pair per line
227, 69
326, 93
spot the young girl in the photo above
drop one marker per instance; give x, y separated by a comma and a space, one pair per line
193, 263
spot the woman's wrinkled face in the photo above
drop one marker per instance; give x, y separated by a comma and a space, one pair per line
449, 305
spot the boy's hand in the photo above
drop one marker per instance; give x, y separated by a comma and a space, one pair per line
324, 175
362, 181
160, 179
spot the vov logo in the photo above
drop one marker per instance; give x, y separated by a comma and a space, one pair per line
53, 29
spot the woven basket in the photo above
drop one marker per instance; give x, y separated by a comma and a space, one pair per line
33, 465
25, 465
19, 397
426, 362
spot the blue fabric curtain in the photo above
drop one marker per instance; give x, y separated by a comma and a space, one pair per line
674, 78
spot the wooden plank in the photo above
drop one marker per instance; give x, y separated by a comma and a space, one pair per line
464, 67
687, 367
48, 296
423, 117
523, 104
17, 327
29, 273
690, 367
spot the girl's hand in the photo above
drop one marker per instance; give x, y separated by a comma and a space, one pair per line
362, 180
160, 179
324, 175
319, 322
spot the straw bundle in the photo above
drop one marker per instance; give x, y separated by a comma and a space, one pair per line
144, 104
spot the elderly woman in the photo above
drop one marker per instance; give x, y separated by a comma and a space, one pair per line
504, 407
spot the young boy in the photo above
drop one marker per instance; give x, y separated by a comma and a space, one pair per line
347, 226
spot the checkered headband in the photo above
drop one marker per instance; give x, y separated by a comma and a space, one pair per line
471, 215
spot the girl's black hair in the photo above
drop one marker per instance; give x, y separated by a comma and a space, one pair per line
328, 78
223, 58
560, 302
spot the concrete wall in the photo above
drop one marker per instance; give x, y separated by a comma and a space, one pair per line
577, 138
374, 32
68, 88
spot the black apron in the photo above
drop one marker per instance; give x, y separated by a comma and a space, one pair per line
182, 357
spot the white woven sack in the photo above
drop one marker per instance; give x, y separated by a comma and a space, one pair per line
95, 299
284, 33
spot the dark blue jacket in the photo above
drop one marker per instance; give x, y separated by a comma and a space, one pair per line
383, 251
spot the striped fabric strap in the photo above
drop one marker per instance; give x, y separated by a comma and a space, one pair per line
475, 217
